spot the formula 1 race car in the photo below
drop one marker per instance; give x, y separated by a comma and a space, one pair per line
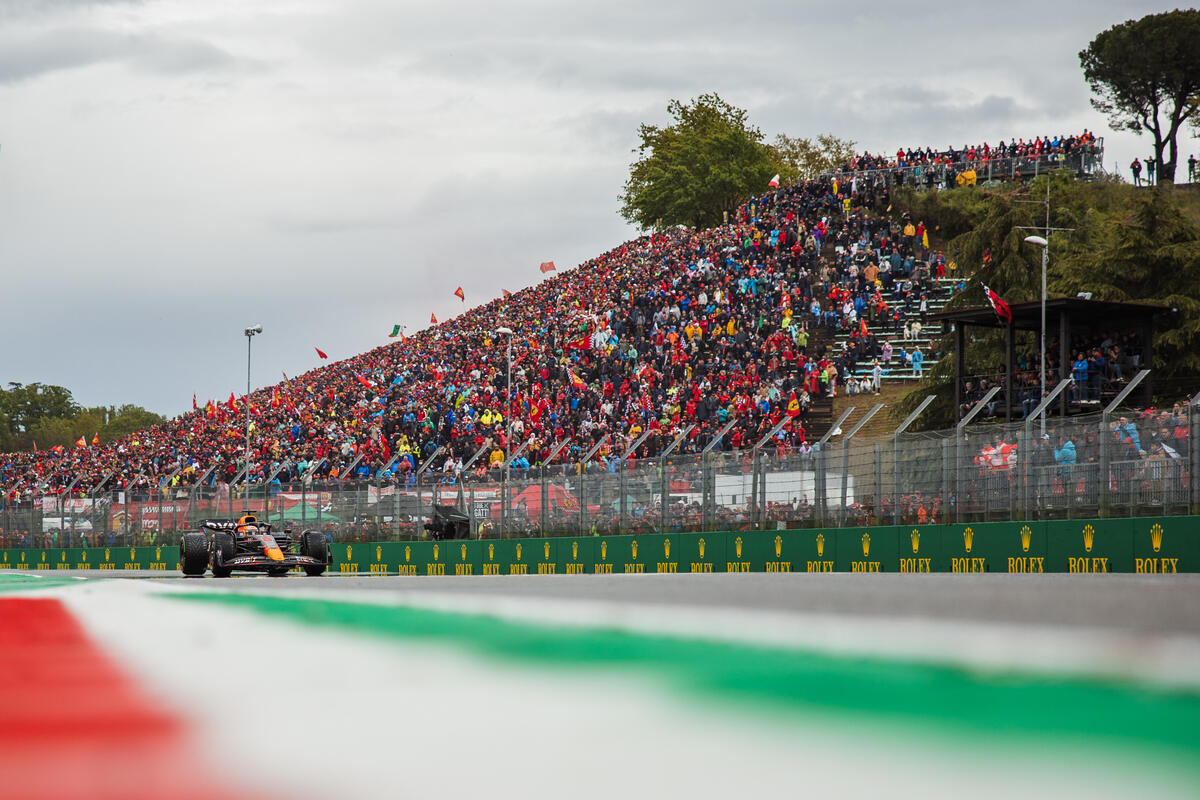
247, 543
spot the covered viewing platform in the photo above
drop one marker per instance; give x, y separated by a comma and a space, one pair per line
1122, 334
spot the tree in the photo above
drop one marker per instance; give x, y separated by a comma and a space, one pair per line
799, 159
1145, 75
23, 406
692, 171
127, 419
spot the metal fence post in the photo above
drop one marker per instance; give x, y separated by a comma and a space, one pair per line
878, 484
896, 483
846, 440
948, 453
1193, 411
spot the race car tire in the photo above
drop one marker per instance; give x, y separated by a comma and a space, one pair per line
278, 572
223, 548
313, 544
193, 554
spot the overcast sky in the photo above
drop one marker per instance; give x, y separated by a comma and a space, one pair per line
171, 172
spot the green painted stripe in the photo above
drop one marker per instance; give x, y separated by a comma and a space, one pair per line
942, 698
17, 582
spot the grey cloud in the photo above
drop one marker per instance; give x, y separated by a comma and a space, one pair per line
29, 55
14, 9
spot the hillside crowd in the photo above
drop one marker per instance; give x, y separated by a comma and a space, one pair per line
675, 329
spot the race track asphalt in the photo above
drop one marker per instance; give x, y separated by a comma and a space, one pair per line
1145, 604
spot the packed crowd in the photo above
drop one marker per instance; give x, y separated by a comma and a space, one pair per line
675, 329
1040, 147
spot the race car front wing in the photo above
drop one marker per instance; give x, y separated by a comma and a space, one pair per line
290, 560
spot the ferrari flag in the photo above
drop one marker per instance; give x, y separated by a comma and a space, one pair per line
547, 266
460, 295
999, 306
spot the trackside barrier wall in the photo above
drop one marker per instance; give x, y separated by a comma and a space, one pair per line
1141, 545
1138, 545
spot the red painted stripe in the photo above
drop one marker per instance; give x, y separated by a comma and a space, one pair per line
73, 726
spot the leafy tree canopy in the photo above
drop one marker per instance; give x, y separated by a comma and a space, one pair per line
45, 415
1145, 75
707, 161
801, 159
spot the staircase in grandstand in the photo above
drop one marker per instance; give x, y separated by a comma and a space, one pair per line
899, 369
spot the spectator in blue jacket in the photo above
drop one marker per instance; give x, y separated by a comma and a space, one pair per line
1128, 432
1079, 372
1064, 456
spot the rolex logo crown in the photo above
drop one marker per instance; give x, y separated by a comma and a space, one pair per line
778, 545
866, 543
1026, 533
968, 538
1156, 536
916, 540
666, 548
378, 553
1089, 535
737, 545
633, 548
820, 545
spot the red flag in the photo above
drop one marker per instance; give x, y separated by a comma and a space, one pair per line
433, 318
999, 306
459, 294
383, 445
211, 409
95, 440
364, 381
576, 381
193, 402
774, 181
580, 344
546, 266
57, 449
81, 442
320, 353
274, 398
507, 293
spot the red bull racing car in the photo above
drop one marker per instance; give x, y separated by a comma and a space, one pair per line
248, 544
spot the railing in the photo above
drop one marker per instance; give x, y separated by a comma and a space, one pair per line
1087, 161
991, 472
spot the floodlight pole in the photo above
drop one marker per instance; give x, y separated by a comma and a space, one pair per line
250, 332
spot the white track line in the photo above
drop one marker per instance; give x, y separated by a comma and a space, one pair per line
322, 713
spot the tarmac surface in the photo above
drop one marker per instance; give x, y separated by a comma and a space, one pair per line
1145, 604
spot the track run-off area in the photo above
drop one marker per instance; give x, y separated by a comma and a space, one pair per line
708, 685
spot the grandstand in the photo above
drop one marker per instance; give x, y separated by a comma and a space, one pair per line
696, 344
